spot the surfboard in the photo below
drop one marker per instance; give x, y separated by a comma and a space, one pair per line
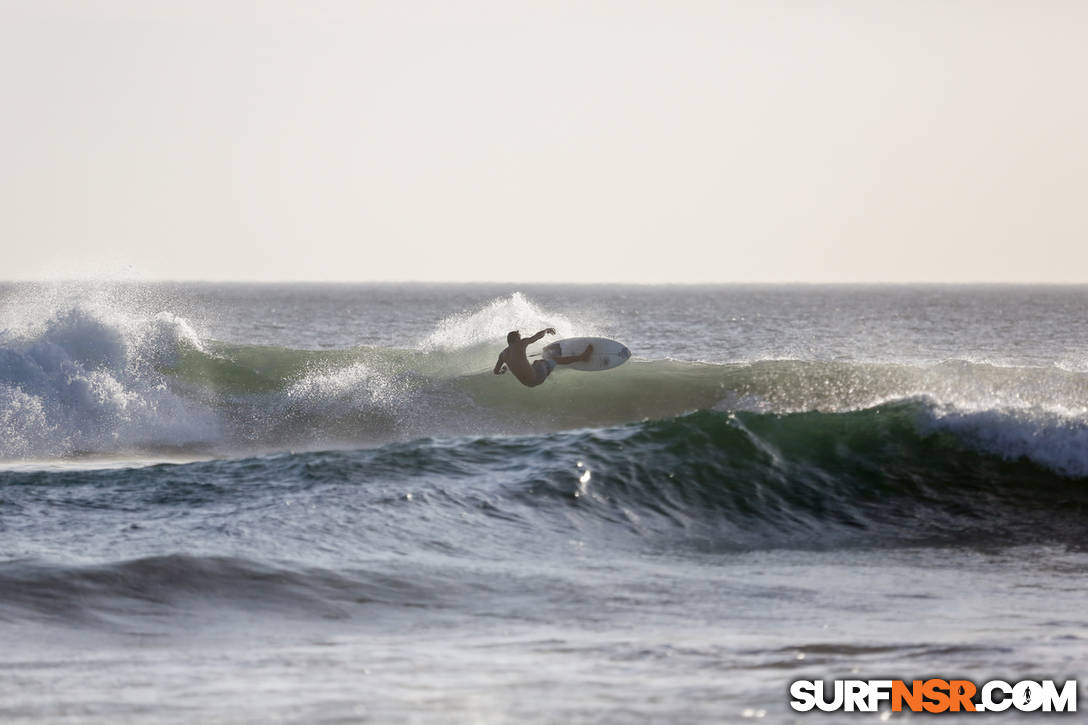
606, 353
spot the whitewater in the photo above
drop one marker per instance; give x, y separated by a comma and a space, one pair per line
317, 503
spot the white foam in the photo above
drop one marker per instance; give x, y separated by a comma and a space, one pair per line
85, 380
1054, 439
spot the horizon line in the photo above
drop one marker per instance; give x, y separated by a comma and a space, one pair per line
613, 283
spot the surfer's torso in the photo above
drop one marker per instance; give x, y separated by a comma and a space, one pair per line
518, 363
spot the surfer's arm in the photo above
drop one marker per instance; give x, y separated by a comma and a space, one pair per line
542, 333
500, 363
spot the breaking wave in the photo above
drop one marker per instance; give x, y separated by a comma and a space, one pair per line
88, 381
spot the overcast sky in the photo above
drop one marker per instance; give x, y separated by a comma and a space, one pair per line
644, 142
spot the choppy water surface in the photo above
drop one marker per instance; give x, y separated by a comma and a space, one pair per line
239, 503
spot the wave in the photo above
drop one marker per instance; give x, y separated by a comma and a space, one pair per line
896, 474
111, 593
88, 380
899, 473
707, 483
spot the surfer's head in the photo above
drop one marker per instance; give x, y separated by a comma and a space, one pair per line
512, 337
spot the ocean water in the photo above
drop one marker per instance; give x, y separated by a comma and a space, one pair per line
315, 503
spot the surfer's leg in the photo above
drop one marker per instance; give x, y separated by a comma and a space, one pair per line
574, 358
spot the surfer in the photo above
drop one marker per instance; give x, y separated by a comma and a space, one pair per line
530, 376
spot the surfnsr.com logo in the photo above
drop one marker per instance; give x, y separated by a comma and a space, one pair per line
933, 695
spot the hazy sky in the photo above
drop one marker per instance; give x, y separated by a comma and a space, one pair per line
615, 141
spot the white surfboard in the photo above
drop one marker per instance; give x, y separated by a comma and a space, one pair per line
606, 353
